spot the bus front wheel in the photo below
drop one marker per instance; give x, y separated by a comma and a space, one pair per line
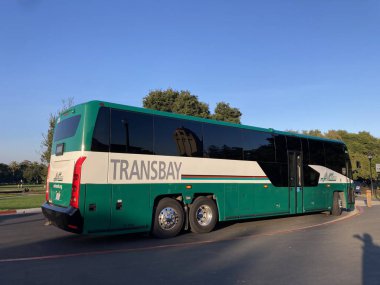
203, 215
168, 218
336, 208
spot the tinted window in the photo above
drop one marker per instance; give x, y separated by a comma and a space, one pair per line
310, 176
222, 142
317, 152
336, 157
258, 146
177, 137
281, 151
101, 135
131, 132
276, 172
66, 128
305, 151
349, 170
293, 143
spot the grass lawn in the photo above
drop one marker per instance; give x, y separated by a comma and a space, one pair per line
32, 188
24, 201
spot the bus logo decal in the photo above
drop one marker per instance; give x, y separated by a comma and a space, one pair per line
58, 177
145, 170
329, 177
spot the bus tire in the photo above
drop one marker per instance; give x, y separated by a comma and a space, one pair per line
168, 218
203, 215
336, 209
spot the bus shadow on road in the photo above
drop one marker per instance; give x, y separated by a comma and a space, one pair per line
52, 241
371, 260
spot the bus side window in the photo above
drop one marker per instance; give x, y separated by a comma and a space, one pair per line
101, 135
305, 151
317, 152
131, 132
310, 176
276, 172
258, 146
293, 143
177, 137
281, 152
335, 157
222, 142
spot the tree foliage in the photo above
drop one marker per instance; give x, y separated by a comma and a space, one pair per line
188, 104
161, 100
47, 139
359, 146
183, 102
14, 167
5, 173
27, 171
224, 112
34, 172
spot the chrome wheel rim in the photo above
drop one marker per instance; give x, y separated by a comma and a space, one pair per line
168, 218
204, 215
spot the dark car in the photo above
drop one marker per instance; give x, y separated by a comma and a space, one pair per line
358, 187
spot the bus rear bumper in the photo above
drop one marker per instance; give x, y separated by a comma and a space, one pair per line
68, 219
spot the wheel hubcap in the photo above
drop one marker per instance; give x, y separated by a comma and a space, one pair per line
168, 218
204, 215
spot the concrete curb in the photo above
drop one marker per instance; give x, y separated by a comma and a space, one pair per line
20, 211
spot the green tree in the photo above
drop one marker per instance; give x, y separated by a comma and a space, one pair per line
315, 133
335, 135
5, 173
183, 102
14, 167
188, 104
47, 139
162, 100
34, 172
224, 112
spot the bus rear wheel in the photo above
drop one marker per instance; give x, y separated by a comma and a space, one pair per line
168, 218
203, 215
336, 208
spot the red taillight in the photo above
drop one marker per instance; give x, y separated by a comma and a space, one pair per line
74, 201
47, 184
72, 227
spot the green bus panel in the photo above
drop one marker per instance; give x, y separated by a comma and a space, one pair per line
130, 209
316, 198
271, 200
60, 193
97, 210
127, 208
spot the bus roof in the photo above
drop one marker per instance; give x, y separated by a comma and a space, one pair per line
198, 119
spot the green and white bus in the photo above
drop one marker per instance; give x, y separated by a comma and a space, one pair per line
122, 169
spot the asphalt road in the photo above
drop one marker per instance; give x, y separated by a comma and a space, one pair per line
311, 249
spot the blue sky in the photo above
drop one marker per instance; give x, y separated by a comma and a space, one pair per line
285, 64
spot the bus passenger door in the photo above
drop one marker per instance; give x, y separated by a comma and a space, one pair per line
295, 178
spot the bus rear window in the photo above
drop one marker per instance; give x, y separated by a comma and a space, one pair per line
66, 128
